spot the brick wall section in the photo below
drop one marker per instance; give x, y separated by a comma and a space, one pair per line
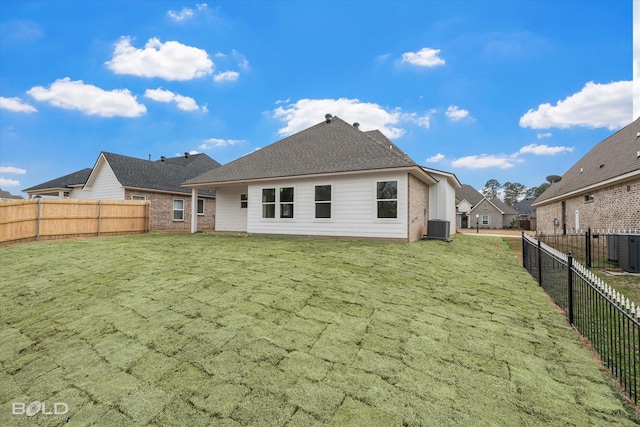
616, 207
162, 211
418, 204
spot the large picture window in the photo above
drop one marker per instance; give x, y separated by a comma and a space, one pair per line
323, 201
387, 199
178, 210
286, 202
268, 203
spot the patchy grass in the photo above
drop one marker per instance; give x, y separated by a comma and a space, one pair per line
211, 329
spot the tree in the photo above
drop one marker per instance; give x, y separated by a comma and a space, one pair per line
491, 188
512, 192
541, 189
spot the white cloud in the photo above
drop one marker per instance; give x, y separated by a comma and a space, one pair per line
484, 161
218, 142
544, 135
171, 60
425, 57
184, 103
182, 15
307, 112
5, 182
12, 169
226, 76
544, 150
596, 105
89, 99
435, 159
185, 13
455, 114
16, 104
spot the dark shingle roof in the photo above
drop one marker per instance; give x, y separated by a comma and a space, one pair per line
324, 148
468, 193
612, 158
524, 206
67, 181
7, 195
160, 175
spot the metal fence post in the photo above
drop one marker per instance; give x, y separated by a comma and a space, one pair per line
570, 287
539, 263
587, 243
524, 252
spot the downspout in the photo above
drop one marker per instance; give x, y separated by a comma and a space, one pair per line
194, 210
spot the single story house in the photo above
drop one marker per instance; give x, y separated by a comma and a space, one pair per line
475, 210
600, 191
117, 177
331, 179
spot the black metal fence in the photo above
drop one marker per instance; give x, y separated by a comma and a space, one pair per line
602, 315
593, 248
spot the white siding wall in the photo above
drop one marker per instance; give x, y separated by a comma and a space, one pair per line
442, 202
79, 193
104, 185
229, 215
354, 208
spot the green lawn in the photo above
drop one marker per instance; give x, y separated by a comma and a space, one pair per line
224, 330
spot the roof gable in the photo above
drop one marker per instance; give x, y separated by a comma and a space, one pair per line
163, 175
468, 193
67, 181
611, 159
332, 146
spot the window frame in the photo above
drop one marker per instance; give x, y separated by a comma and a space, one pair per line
244, 201
181, 210
387, 200
317, 202
198, 212
282, 204
138, 198
485, 219
268, 203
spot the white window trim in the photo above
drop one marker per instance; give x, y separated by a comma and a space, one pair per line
197, 207
314, 203
173, 211
488, 217
137, 197
280, 203
275, 203
375, 201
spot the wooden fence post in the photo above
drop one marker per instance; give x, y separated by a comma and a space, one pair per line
99, 216
38, 222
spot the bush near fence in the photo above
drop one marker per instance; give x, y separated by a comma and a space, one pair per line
608, 320
36, 219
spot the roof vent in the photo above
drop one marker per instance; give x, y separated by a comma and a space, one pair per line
327, 118
163, 158
356, 125
186, 155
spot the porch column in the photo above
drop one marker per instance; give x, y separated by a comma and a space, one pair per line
194, 209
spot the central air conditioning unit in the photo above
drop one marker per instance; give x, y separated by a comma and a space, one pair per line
629, 252
438, 229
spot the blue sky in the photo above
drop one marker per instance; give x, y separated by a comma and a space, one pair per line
506, 90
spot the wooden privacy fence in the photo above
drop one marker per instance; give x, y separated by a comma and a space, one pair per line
50, 218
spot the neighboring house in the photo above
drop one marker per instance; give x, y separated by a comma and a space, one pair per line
526, 213
601, 191
5, 195
475, 210
331, 179
117, 177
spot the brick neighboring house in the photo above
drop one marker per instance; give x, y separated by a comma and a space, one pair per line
474, 210
601, 191
117, 177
